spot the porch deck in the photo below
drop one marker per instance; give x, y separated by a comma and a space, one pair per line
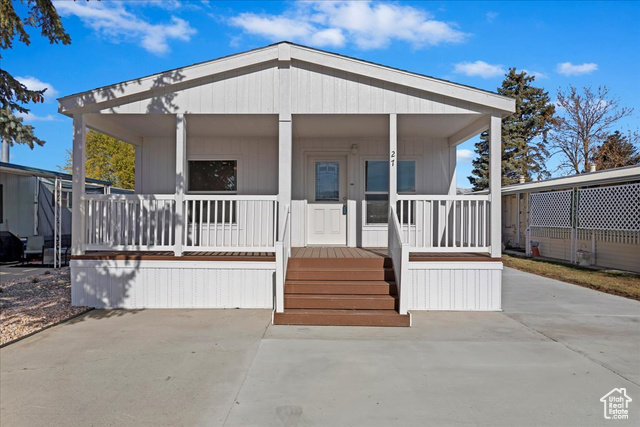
308, 252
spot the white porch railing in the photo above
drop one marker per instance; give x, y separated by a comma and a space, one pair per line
129, 221
230, 223
399, 253
445, 223
283, 253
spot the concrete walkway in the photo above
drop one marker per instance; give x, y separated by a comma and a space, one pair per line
546, 360
16, 271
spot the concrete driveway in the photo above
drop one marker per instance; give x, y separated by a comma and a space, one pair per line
546, 360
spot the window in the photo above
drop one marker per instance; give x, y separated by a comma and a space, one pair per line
213, 175
376, 192
327, 181
1, 205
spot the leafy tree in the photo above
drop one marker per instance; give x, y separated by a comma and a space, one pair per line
618, 150
108, 159
13, 94
584, 125
524, 134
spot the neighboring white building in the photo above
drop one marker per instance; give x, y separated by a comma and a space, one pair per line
279, 147
591, 218
27, 199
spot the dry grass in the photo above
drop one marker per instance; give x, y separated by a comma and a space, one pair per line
34, 303
611, 282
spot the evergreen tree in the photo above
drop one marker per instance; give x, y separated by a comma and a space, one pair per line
108, 159
523, 134
13, 94
618, 150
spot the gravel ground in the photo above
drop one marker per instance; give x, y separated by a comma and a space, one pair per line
33, 303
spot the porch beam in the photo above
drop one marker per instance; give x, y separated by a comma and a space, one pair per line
78, 184
469, 131
393, 159
495, 184
181, 181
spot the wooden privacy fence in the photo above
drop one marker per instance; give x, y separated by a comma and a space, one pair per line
445, 223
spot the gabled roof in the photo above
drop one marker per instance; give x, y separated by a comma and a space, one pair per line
607, 176
286, 51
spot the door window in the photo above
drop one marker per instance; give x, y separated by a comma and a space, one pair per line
327, 181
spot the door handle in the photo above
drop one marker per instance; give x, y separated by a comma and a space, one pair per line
344, 209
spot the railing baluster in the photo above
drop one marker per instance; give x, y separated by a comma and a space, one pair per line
200, 228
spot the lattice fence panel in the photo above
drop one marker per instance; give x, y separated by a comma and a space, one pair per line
551, 209
610, 208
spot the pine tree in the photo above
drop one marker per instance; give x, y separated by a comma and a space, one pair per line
523, 134
618, 150
13, 94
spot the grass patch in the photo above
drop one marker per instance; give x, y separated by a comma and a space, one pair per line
611, 282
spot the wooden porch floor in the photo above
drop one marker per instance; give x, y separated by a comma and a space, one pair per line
309, 252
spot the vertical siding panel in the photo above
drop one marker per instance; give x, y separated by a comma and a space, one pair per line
364, 95
328, 91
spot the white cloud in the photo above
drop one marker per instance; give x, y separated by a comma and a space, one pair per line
479, 68
491, 16
569, 69
464, 155
30, 117
537, 74
114, 21
33, 83
366, 24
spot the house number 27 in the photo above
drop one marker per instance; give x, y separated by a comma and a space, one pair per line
393, 158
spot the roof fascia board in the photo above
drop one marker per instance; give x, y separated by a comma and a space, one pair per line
612, 176
12, 168
91, 99
452, 90
469, 131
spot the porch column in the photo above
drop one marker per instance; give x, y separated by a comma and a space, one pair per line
78, 176
495, 184
285, 142
285, 138
393, 159
181, 181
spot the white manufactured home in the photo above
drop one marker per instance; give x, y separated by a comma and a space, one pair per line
290, 178
589, 219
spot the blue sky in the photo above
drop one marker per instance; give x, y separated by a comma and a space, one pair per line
474, 43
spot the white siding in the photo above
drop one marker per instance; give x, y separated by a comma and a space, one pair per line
257, 162
172, 284
18, 204
455, 286
318, 89
247, 90
434, 171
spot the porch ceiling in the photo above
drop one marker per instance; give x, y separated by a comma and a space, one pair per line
377, 125
132, 127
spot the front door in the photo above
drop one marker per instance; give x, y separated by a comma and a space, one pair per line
327, 199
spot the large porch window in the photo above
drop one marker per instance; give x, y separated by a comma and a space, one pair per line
376, 191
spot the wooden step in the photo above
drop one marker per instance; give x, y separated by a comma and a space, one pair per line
341, 318
317, 263
340, 287
340, 302
352, 274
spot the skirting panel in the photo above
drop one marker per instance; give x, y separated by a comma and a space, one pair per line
173, 284
455, 286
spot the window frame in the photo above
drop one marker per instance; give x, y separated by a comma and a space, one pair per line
364, 184
208, 158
